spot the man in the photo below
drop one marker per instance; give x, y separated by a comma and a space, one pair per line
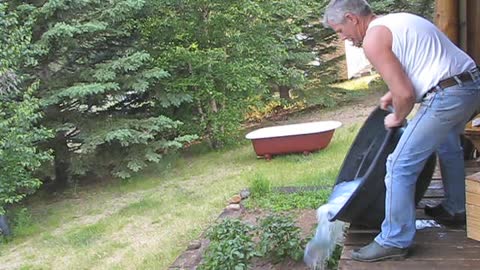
419, 64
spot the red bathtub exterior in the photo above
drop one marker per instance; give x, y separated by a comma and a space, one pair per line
302, 143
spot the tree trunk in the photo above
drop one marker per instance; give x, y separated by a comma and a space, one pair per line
284, 92
4, 226
214, 143
61, 161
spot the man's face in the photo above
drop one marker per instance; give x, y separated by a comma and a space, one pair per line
348, 30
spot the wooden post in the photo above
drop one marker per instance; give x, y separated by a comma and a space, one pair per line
473, 206
473, 29
446, 18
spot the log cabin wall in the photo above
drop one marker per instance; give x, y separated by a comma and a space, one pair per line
473, 29
460, 21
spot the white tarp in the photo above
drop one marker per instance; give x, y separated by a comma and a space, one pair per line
357, 62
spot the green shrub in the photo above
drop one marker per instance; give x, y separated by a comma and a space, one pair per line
231, 246
280, 238
19, 111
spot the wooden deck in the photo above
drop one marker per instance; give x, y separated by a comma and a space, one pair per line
434, 248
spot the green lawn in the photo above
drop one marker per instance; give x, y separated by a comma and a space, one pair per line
147, 222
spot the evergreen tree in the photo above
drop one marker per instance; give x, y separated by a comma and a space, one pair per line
94, 82
224, 56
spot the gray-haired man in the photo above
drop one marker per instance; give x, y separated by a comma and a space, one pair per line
419, 64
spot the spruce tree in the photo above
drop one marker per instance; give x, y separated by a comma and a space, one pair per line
93, 84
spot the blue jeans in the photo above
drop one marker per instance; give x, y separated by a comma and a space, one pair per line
437, 126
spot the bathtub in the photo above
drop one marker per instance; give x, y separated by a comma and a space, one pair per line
296, 138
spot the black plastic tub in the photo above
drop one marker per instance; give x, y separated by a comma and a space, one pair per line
365, 162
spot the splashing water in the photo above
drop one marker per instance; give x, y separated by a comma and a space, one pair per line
328, 234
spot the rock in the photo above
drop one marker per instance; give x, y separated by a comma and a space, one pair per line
196, 244
244, 194
234, 207
235, 199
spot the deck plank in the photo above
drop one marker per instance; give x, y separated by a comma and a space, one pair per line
459, 264
443, 248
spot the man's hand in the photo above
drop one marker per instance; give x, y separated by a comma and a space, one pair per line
386, 101
391, 121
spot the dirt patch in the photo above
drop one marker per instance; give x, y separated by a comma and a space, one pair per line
305, 219
353, 112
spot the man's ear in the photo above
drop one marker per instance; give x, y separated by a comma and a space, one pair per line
352, 18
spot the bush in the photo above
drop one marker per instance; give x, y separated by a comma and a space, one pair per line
231, 246
280, 238
19, 154
19, 110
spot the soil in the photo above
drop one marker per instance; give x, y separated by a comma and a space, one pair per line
353, 112
305, 220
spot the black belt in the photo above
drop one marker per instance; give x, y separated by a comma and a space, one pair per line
464, 77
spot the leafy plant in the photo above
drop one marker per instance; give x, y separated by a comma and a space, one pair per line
228, 229
280, 238
231, 246
260, 186
332, 262
19, 112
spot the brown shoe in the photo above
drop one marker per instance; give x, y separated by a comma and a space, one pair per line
375, 252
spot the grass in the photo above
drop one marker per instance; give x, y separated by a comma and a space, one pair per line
337, 94
279, 202
145, 223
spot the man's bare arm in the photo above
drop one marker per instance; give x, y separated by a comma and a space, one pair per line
378, 49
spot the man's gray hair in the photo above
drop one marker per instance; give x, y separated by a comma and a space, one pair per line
336, 10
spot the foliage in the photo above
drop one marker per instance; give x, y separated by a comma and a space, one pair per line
259, 186
18, 154
279, 202
19, 113
99, 90
332, 262
221, 53
280, 238
231, 246
420, 7
261, 109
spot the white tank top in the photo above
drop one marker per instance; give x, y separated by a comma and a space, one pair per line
426, 54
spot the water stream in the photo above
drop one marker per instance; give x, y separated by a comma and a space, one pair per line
328, 234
